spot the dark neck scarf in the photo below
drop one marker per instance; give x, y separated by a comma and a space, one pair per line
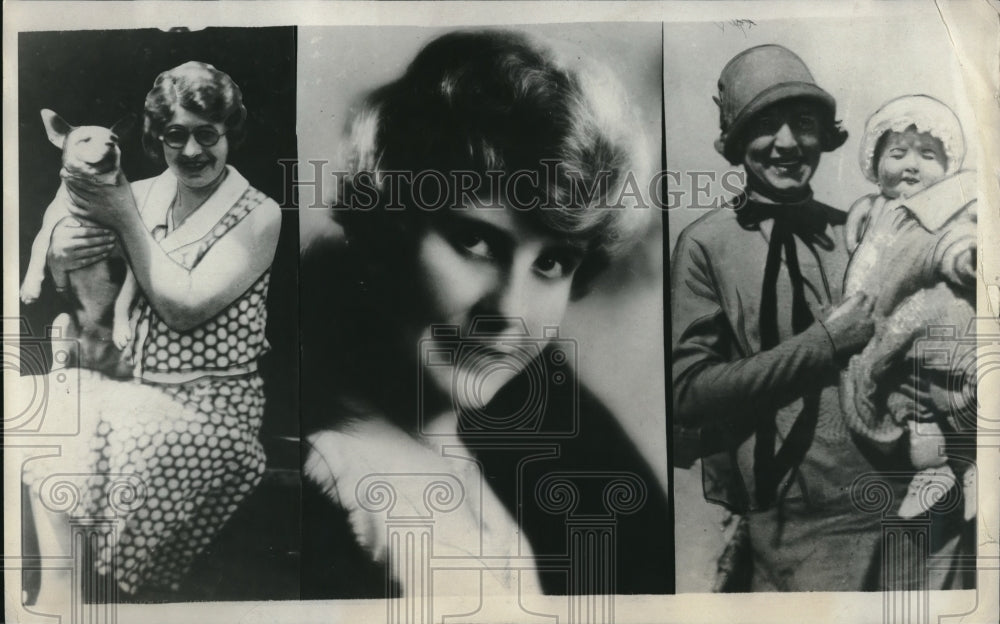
800, 219
782, 239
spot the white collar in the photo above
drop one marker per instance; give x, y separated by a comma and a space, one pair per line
938, 203
161, 194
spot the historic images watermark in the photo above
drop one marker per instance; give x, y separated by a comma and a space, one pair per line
42, 423
433, 514
29, 355
419, 516
494, 350
925, 551
522, 190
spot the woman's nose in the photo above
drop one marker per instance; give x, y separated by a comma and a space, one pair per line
508, 297
784, 138
191, 147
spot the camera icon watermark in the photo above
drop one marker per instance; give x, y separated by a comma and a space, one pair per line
498, 379
956, 360
37, 384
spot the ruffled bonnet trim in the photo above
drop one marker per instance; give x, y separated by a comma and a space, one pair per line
928, 115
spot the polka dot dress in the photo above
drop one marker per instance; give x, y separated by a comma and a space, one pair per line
234, 338
184, 435
192, 470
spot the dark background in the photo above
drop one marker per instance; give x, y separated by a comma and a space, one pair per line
98, 77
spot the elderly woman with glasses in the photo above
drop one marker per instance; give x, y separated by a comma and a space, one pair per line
200, 241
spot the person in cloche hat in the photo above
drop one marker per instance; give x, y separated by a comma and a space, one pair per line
760, 335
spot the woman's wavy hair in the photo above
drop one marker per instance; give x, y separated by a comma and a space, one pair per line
499, 101
199, 88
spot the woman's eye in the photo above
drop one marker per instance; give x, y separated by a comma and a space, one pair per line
806, 122
556, 265
766, 125
549, 268
476, 245
471, 241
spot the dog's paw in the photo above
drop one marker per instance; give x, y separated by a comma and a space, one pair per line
30, 291
121, 336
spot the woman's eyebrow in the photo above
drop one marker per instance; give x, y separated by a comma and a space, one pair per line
508, 238
494, 231
575, 246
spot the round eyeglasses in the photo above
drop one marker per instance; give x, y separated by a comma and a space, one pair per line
177, 136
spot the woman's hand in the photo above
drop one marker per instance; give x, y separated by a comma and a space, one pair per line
77, 243
851, 325
107, 204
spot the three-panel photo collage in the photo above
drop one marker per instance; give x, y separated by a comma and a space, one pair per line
468, 314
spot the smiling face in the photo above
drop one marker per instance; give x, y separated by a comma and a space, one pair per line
92, 151
488, 269
783, 144
194, 164
909, 162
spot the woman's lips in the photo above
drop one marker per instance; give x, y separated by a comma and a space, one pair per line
787, 166
195, 166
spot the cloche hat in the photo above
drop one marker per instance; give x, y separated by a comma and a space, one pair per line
757, 78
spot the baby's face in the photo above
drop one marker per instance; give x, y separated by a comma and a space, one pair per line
910, 162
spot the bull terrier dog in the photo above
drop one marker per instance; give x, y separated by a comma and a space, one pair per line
99, 318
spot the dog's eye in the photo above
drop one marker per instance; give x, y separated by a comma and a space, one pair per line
85, 140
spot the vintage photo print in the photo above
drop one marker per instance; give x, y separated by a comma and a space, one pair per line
158, 396
562, 312
481, 294
823, 235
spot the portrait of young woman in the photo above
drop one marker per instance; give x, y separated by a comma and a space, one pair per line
483, 340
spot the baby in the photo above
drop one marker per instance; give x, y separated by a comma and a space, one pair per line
913, 250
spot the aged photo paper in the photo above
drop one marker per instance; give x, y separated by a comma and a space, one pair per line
501, 311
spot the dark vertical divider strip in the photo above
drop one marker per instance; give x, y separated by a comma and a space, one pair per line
667, 327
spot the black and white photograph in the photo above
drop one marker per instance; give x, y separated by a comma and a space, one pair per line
158, 289
482, 314
825, 220
425, 312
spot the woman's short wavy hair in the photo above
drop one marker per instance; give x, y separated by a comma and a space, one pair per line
199, 88
501, 102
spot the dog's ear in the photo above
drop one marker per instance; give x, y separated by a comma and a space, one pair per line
124, 125
56, 127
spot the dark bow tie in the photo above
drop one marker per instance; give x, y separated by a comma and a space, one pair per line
805, 218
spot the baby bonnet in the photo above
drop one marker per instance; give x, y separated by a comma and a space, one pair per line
928, 115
